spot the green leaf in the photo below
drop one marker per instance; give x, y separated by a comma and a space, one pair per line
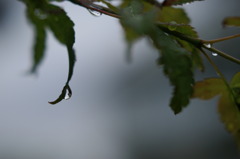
44, 15
60, 24
209, 88
66, 94
177, 2
195, 53
62, 27
39, 47
228, 103
136, 22
35, 16
232, 21
230, 115
229, 108
235, 82
177, 65
196, 58
170, 14
189, 31
235, 85
185, 29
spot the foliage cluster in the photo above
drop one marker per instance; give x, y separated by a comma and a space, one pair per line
168, 27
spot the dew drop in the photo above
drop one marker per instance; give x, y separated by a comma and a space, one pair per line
95, 13
208, 45
67, 95
214, 54
172, 26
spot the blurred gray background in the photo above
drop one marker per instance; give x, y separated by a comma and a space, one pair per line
118, 110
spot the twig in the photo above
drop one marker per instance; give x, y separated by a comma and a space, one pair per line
199, 43
95, 7
222, 54
220, 39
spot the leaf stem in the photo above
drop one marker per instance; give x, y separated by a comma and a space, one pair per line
222, 54
220, 39
199, 43
220, 74
95, 7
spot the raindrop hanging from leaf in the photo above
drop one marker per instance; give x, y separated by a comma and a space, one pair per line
66, 94
95, 13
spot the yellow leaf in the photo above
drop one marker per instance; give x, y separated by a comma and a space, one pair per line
209, 88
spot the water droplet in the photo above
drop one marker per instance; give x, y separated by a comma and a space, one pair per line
40, 14
214, 54
208, 45
172, 26
67, 95
95, 13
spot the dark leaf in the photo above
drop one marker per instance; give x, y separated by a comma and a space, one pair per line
39, 47
195, 54
61, 25
66, 94
170, 14
189, 31
35, 16
177, 2
136, 22
44, 15
177, 66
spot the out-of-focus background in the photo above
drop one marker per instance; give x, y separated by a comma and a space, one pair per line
118, 110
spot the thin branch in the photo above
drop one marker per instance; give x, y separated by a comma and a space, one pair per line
222, 54
220, 39
199, 43
95, 7
220, 74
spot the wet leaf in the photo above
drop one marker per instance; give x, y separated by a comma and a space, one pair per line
43, 16
196, 57
177, 65
189, 31
35, 16
177, 2
176, 62
185, 29
230, 115
66, 94
62, 27
209, 88
170, 14
231, 21
228, 102
136, 22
